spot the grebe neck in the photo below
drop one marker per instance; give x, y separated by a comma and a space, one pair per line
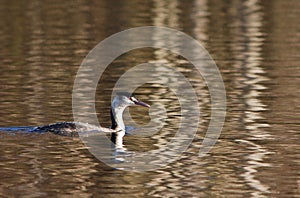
117, 124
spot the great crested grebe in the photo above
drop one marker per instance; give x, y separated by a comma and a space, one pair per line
119, 104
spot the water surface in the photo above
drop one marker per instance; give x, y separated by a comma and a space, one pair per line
256, 47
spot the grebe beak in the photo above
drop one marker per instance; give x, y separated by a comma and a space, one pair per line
140, 103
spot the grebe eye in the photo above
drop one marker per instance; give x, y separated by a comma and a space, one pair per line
133, 99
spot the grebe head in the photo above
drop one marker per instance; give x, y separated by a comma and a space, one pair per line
119, 103
123, 100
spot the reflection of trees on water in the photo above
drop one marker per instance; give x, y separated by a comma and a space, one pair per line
247, 47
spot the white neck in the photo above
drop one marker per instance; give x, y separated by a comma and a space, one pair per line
118, 116
117, 113
118, 108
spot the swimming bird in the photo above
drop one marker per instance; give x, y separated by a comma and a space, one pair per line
120, 102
